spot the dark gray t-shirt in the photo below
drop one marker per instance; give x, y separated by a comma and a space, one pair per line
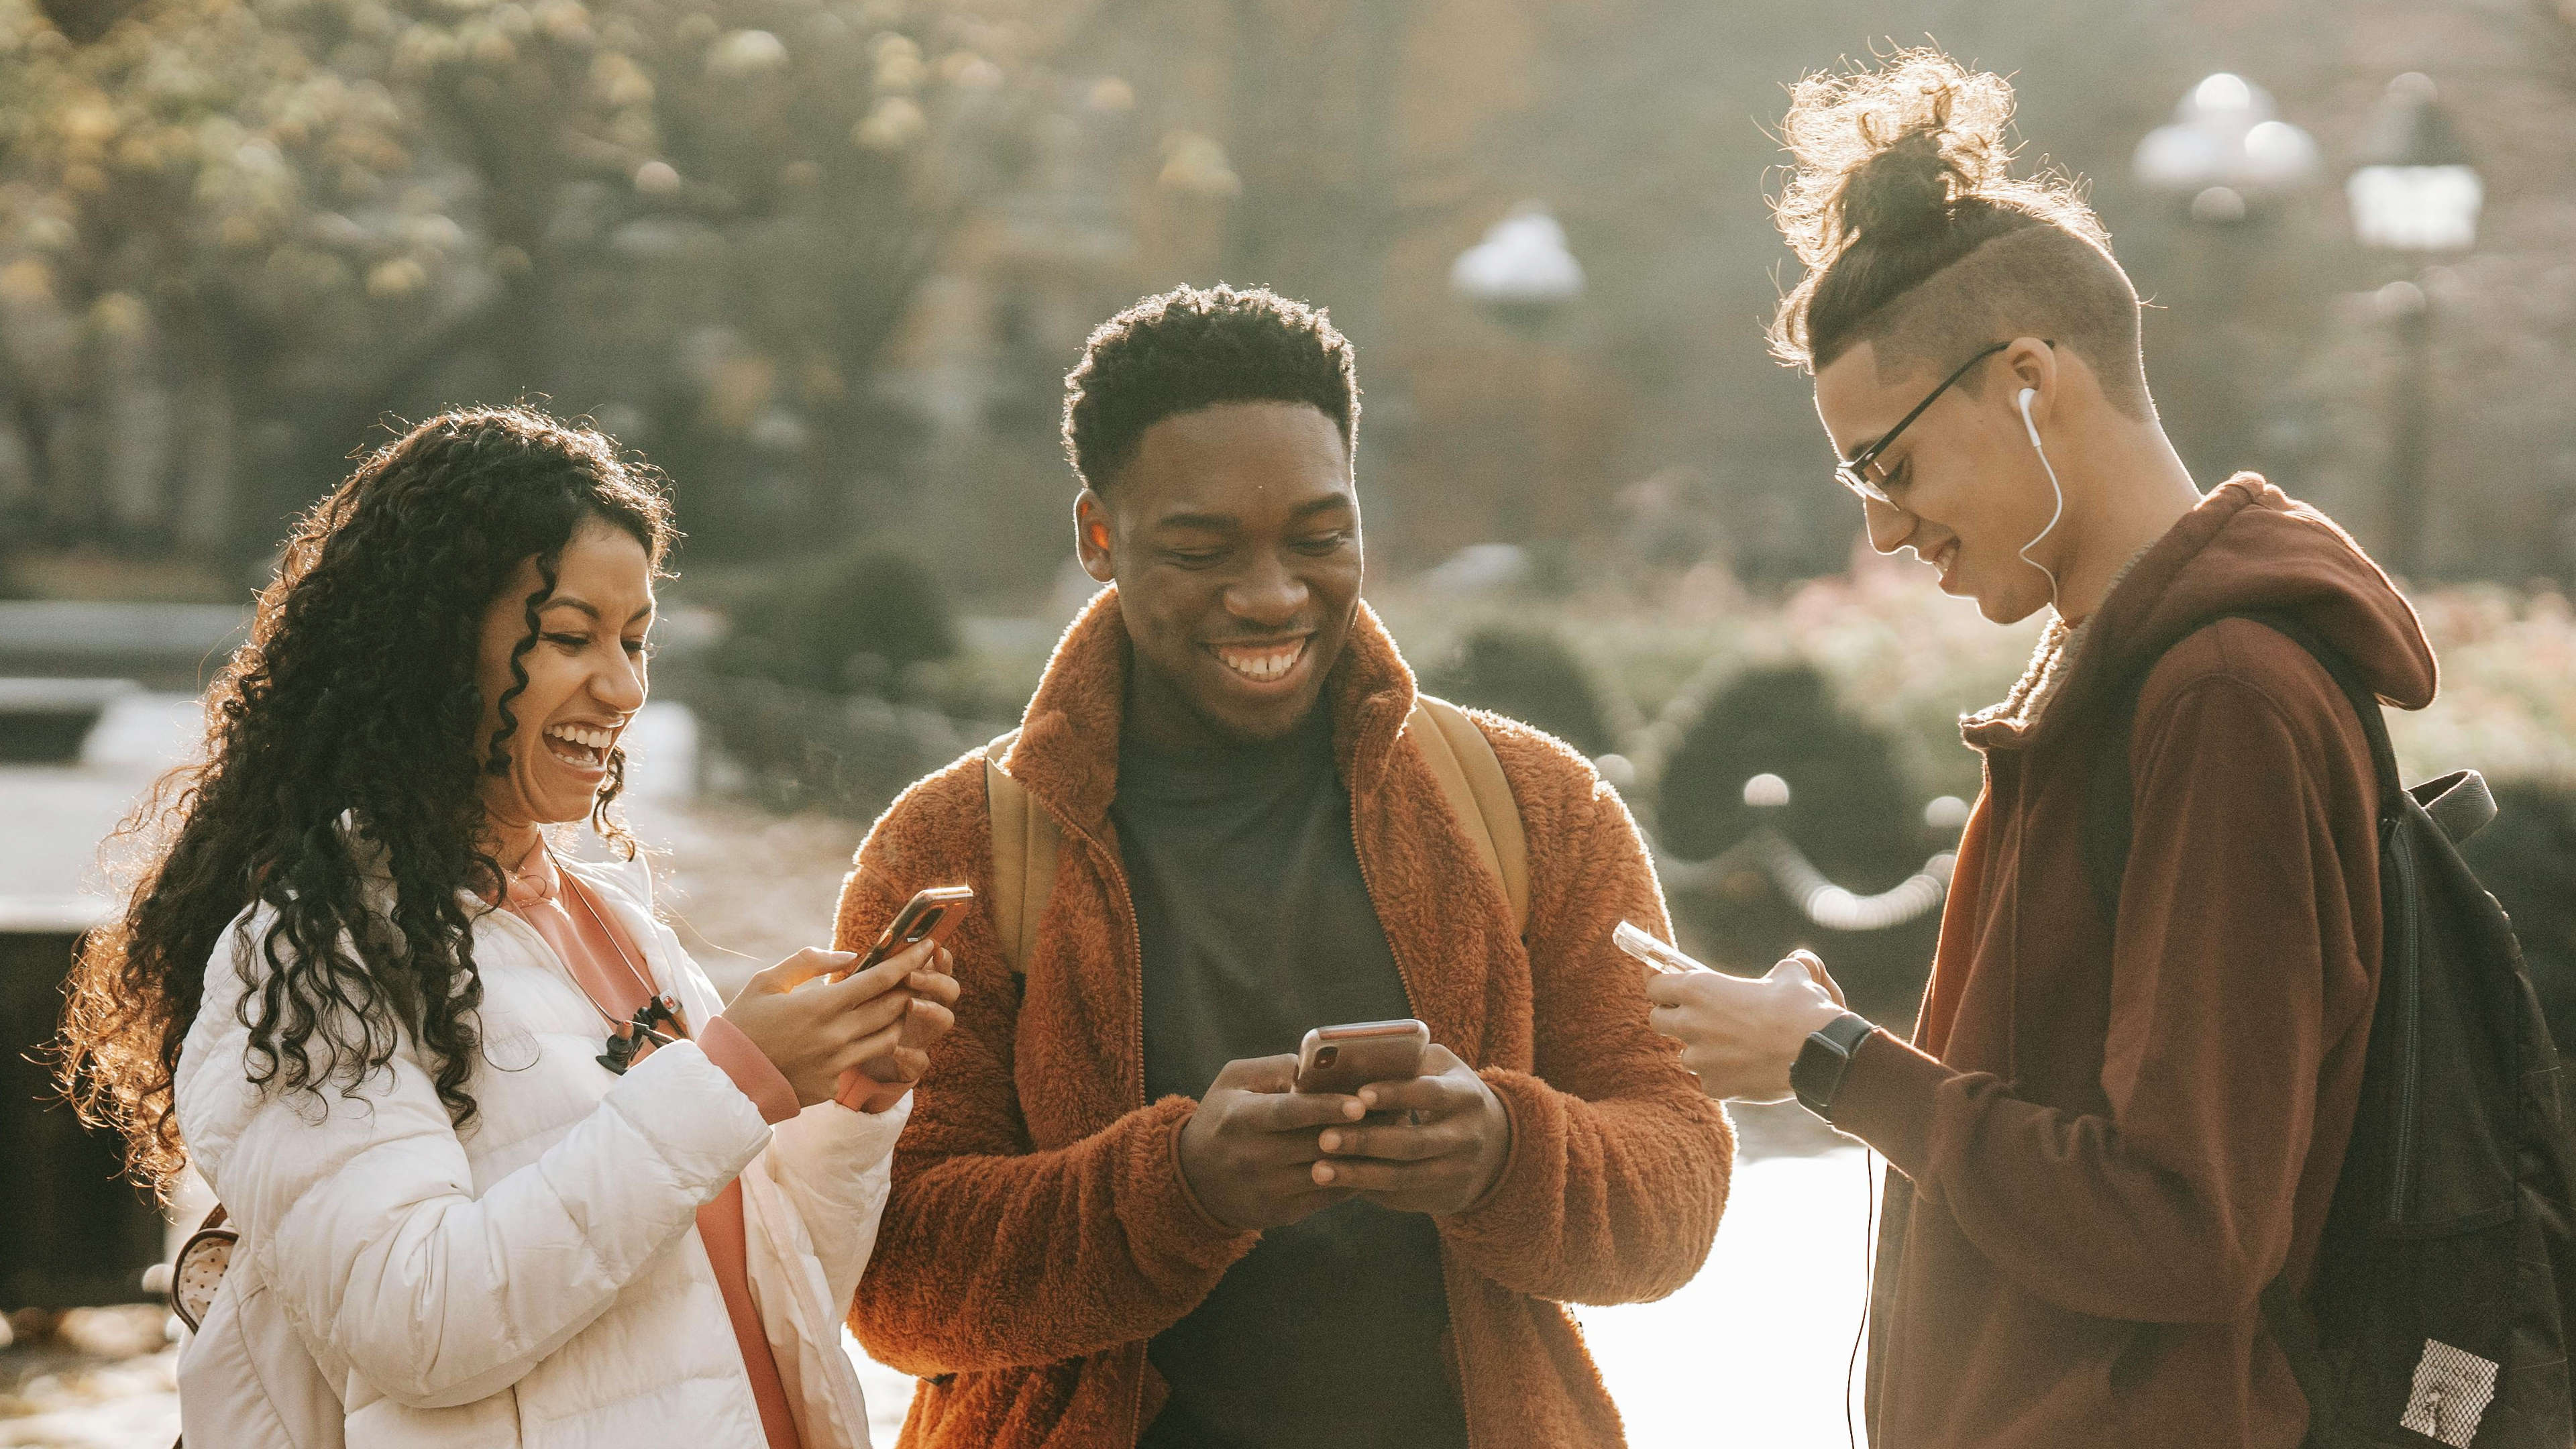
1257, 926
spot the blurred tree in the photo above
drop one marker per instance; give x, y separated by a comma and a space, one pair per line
850, 624
1850, 811
232, 232
1531, 675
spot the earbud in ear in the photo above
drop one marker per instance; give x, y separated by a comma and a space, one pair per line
2027, 425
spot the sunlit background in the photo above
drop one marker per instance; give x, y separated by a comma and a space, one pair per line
827, 261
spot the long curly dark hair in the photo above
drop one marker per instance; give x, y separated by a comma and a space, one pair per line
340, 785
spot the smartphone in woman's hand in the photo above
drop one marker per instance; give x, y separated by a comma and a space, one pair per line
931, 915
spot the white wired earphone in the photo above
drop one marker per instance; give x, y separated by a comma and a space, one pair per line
1869, 1261
2033, 429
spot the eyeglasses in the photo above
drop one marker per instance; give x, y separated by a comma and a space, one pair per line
1853, 472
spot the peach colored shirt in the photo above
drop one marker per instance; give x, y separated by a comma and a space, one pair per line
585, 934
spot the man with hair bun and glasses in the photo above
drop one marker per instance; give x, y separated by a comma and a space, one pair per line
2118, 1122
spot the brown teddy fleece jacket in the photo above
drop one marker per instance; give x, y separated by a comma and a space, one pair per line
1040, 1231
2113, 1135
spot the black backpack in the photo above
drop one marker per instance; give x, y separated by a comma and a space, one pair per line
2445, 1286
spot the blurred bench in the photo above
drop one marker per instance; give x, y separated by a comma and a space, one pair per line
165, 646
77, 1235
45, 721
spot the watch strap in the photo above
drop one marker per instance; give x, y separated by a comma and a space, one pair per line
1818, 1073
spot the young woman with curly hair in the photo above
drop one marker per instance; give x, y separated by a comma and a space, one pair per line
506, 1170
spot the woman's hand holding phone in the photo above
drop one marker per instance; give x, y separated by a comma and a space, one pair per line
880, 1080
928, 919
831, 1028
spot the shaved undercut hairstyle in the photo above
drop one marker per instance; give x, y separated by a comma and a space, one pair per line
1919, 241
1193, 348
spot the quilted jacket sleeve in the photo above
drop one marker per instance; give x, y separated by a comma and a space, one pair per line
1619, 1164
360, 1208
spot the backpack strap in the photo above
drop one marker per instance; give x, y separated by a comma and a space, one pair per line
1471, 778
1025, 838
2108, 788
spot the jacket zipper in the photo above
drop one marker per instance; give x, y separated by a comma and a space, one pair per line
2410, 1030
1368, 884
1117, 871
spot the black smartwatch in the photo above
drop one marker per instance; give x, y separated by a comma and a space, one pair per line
1818, 1072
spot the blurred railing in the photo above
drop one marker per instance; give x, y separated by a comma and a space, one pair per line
1834, 907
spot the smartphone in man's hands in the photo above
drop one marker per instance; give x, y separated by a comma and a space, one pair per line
1343, 1059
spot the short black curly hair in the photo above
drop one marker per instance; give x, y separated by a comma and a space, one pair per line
1194, 347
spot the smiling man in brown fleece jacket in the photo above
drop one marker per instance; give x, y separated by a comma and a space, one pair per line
2111, 1133
1110, 1219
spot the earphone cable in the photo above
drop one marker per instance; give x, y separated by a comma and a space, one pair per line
1868, 1287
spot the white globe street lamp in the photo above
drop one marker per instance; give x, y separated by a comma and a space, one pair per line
1521, 272
2415, 189
2225, 151
1522, 275
2225, 158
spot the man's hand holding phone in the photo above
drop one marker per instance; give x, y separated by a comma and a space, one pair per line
1249, 1151
1739, 1034
1432, 1144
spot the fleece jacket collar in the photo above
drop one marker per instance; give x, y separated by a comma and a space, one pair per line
1067, 751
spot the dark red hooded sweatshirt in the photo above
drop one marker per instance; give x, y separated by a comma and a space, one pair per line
2107, 1139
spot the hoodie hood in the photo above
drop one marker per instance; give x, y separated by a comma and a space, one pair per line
2246, 548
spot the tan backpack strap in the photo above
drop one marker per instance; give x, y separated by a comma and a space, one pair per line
1471, 776
1024, 846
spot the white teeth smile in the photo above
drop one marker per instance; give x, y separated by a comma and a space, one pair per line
1261, 663
581, 744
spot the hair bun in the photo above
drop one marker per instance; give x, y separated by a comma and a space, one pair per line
1890, 152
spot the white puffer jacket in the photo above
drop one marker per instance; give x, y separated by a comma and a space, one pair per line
538, 1279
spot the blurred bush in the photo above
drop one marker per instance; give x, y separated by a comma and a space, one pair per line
837, 684
850, 624
806, 749
1850, 811
1531, 675
2508, 694
246, 231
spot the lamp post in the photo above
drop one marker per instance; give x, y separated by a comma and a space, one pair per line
2224, 161
2225, 152
2416, 193
1522, 275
